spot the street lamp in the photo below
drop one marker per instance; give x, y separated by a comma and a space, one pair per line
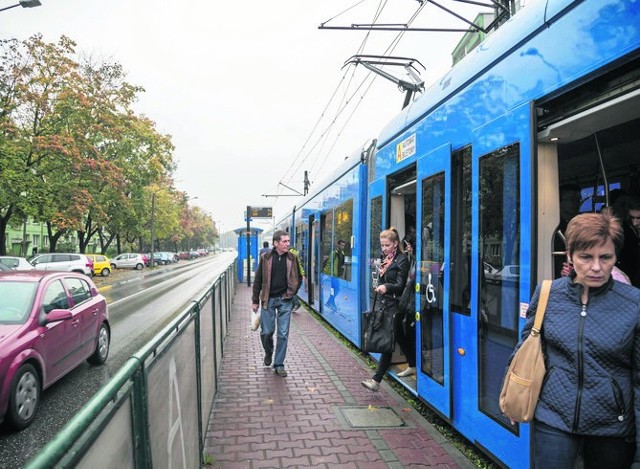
220, 230
187, 199
24, 4
153, 209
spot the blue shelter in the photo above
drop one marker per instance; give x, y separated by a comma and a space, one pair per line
254, 237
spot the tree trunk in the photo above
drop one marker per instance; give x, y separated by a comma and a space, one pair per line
53, 238
4, 222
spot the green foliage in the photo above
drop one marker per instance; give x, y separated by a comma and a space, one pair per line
74, 154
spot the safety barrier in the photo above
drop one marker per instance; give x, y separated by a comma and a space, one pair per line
154, 411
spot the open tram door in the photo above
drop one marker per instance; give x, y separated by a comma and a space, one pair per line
432, 325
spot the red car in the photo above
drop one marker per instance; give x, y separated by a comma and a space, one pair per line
50, 322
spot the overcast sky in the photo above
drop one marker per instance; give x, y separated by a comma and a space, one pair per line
241, 85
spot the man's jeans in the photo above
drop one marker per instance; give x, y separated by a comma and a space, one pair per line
555, 449
278, 310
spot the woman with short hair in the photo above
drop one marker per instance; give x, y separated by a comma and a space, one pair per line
590, 398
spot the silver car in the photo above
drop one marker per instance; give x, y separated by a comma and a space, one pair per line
16, 263
66, 262
128, 260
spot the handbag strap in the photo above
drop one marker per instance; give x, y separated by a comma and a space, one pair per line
542, 306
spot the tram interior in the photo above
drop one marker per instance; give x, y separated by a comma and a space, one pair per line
402, 216
597, 151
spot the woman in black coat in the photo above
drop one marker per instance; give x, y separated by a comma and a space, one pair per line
393, 272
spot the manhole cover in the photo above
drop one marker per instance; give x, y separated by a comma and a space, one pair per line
371, 417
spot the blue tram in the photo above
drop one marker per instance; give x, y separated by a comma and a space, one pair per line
474, 167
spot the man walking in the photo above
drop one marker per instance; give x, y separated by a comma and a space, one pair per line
276, 283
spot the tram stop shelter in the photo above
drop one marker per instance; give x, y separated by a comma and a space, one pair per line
254, 240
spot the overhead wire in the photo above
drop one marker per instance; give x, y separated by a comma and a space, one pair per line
345, 101
389, 50
298, 161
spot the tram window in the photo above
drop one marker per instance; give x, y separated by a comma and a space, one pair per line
301, 244
432, 277
343, 231
326, 235
499, 246
460, 271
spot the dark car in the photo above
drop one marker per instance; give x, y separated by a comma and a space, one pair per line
50, 322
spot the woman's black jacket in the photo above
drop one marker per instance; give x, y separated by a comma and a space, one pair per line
395, 279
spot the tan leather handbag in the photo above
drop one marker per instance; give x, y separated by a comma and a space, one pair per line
523, 381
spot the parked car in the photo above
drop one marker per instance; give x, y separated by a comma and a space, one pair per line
68, 262
163, 258
184, 256
128, 260
16, 263
509, 273
101, 264
50, 322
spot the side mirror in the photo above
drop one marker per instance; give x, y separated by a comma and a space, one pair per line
57, 315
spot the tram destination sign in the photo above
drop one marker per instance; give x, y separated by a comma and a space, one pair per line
261, 212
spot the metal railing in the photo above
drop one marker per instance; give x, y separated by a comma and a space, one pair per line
154, 411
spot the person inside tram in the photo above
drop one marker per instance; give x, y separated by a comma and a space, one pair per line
406, 333
569, 207
334, 266
629, 261
588, 403
393, 270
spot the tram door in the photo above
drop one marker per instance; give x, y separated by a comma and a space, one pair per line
377, 207
432, 331
501, 283
315, 256
313, 259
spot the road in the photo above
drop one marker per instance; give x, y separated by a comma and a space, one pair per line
140, 303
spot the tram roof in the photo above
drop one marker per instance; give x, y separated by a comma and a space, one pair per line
490, 51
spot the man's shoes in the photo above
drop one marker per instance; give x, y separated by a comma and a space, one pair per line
267, 360
371, 384
410, 371
280, 371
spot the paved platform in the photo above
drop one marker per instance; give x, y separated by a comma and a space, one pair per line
319, 416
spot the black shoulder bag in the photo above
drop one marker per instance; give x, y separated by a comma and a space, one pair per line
378, 335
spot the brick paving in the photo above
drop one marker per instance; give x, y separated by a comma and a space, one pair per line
261, 420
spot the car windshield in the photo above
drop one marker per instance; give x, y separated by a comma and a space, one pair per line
17, 298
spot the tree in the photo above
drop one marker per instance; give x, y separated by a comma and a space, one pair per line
34, 75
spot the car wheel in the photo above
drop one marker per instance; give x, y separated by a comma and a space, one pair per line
24, 398
102, 348
105, 272
113, 267
139, 266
